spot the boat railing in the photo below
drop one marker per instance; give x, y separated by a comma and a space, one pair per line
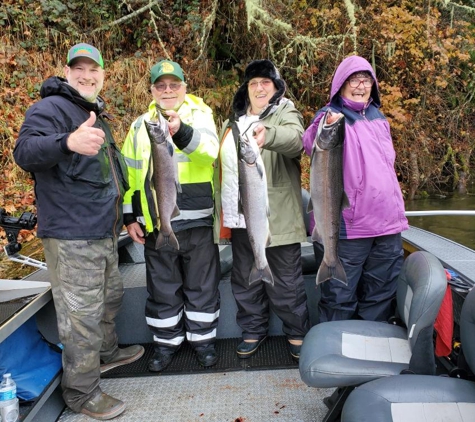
438, 212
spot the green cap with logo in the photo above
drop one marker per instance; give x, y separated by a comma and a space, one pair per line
166, 67
85, 50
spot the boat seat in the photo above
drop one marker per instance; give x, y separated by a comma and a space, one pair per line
414, 398
350, 353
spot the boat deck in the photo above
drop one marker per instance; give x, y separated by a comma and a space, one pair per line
452, 255
236, 396
246, 396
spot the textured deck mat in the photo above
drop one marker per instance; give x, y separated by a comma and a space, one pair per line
272, 354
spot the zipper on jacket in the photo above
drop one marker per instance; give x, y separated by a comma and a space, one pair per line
114, 174
112, 160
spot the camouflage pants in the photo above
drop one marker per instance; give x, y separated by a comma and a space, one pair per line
87, 293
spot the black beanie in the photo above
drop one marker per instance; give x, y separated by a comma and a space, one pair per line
258, 68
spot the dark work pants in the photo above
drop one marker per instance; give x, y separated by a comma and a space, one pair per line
287, 297
372, 266
183, 289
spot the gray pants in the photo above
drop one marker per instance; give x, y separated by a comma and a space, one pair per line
87, 293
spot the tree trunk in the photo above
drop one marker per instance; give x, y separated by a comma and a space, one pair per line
415, 175
464, 173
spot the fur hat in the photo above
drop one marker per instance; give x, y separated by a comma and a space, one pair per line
258, 68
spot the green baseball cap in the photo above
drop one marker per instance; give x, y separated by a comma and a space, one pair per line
85, 50
166, 67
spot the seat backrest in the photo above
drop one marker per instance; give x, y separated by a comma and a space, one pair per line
467, 329
421, 287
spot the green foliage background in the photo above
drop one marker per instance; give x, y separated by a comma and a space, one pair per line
422, 52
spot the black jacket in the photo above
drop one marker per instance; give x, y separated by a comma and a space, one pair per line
77, 196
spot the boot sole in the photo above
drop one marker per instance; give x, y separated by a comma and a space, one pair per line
112, 365
105, 416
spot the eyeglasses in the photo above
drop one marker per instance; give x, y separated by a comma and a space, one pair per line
265, 83
162, 86
356, 82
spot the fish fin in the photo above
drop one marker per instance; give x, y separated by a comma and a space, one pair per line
265, 275
331, 273
316, 235
178, 186
309, 206
345, 202
176, 211
269, 239
260, 170
312, 154
240, 207
170, 148
170, 240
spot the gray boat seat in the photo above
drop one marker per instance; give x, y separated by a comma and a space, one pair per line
350, 353
415, 398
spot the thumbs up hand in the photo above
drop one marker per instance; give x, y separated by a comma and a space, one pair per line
86, 139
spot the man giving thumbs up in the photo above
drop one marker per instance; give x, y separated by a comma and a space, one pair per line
80, 179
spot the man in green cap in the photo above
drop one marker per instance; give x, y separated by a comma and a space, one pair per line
182, 284
80, 181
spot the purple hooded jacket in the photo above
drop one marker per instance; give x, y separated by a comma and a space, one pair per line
370, 182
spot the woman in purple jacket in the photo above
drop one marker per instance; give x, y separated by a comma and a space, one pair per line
370, 245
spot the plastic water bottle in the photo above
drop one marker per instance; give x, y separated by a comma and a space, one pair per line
9, 406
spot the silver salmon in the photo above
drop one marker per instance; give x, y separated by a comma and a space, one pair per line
327, 195
255, 207
165, 180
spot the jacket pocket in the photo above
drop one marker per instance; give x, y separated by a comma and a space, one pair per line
286, 215
93, 170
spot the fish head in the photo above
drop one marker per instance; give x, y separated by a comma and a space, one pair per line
156, 131
331, 135
247, 151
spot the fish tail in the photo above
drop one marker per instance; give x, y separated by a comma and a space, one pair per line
164, 240
265, 275
336, 272
316, 235
176, 211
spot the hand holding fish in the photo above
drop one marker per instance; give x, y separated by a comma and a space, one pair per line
259, 134
86, 139
136, 233
174, 121
333, 117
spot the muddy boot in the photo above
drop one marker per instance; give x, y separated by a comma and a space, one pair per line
103, 407
123, 357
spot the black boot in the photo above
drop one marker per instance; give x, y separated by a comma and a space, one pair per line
207, 356
162, 357
246, 349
